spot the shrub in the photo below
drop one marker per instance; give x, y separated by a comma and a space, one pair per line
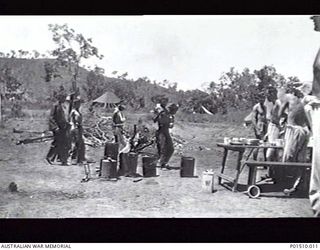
16, 110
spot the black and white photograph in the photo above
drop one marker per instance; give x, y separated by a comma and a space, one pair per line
160, 116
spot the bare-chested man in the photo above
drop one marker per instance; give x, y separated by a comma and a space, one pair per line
296, 136
314, 103
273, 131
259, 121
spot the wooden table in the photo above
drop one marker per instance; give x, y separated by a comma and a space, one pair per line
240, 165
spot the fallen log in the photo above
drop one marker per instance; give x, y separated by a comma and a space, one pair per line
37, 139
17, 131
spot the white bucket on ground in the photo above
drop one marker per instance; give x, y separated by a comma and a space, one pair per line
208, 181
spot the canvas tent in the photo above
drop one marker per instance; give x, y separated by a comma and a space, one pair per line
108, 99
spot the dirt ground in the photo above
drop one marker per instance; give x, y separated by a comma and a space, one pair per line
46, 191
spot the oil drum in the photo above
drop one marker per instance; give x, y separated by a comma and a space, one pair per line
149, 166
128, 164
111, 150
108, 169
187, 166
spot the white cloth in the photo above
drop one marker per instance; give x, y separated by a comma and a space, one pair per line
273, 134
296, 140
65, 107
75, 119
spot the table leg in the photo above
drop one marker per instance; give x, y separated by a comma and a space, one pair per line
224, 159
252, 176
240, 155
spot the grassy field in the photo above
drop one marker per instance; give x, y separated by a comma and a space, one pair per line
46, 191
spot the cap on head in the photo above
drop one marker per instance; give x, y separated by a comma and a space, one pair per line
164, 101
305, 88
261, 95
271, 90
173, 108
61, 97
296, 92
121, 107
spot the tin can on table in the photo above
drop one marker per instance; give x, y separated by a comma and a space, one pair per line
226, 140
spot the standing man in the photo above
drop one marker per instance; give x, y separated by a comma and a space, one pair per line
296, 135
78, 147
259, 121
314, 191
273, 130
119, 119
164, 117
59, 125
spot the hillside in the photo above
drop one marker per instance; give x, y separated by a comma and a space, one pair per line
139, 94
31, 73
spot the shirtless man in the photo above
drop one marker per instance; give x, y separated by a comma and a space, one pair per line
259, 121
296, 136
273, 131
314, 104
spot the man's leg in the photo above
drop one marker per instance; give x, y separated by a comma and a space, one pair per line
158, 144
63, 146
162, 149
169, 149
51, 155
272, 154
297, 153
81, 149
256, 151
74, 145
296, 183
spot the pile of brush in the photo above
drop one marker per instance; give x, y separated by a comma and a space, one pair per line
97, 131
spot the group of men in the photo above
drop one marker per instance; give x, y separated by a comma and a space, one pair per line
300, 111
295, 117
164, 117
65, 122
282, 114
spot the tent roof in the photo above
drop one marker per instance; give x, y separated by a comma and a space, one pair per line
107, 97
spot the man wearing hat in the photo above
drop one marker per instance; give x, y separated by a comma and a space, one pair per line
59, 125
165, 120
77, 142
119, 119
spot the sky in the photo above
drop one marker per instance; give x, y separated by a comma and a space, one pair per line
189, 50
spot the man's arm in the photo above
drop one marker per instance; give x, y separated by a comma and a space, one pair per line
157, 116
254, 116
283, 108
122, 117
308, 122
316, 76
52, 120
